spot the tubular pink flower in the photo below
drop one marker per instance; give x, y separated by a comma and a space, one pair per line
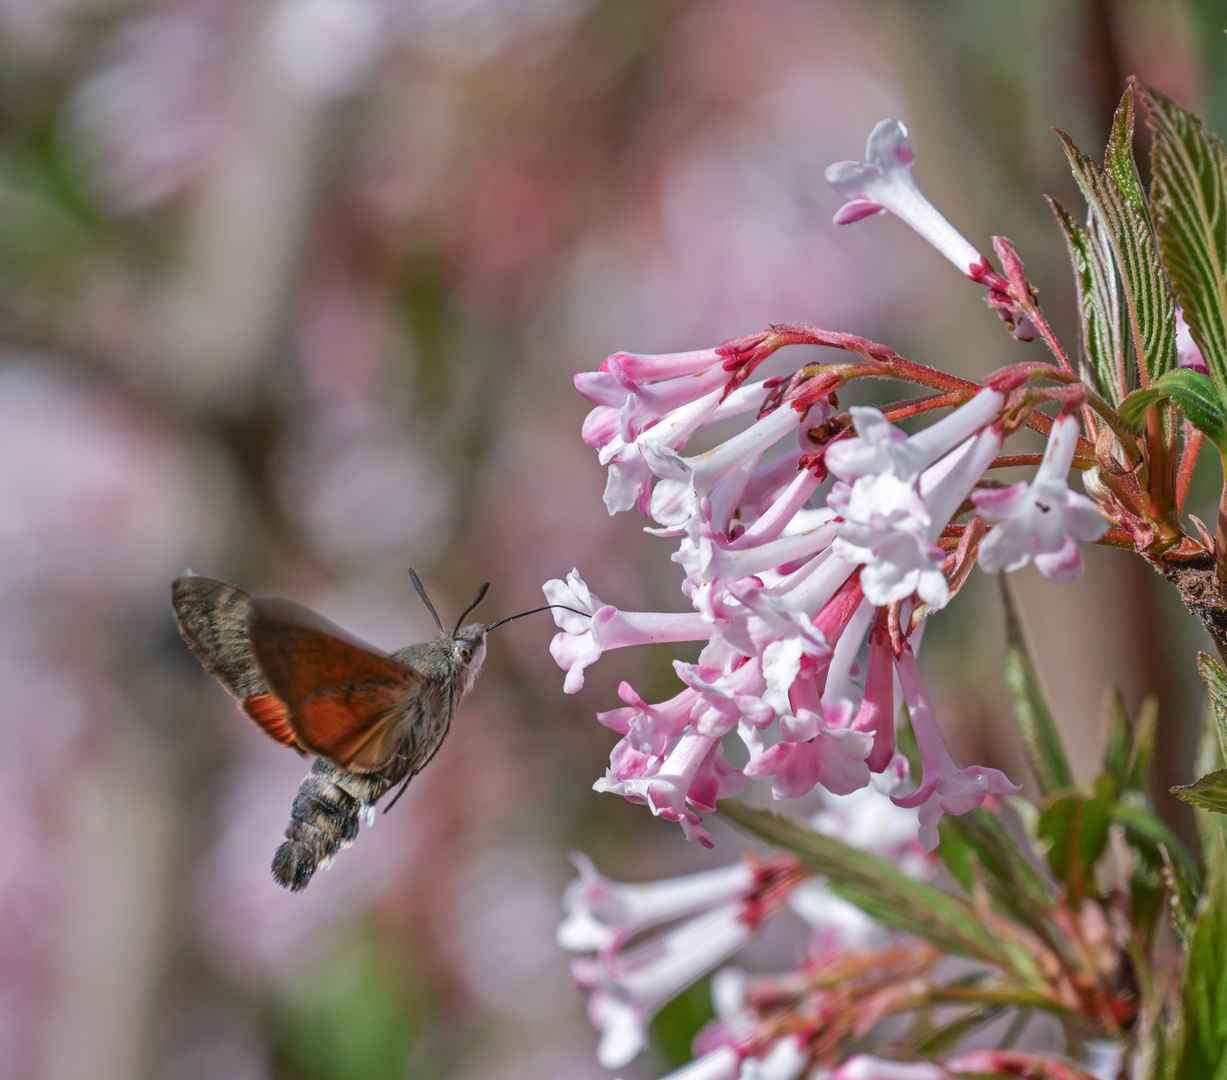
723, 700
1041, 521
884, 182
694, 770
893, 518
867, 1067
602, 915
722, 1063
625, 409
832, 757
629, 988
685, 481
646, 367
649, 728
877, 712
584, 639
944, 787
1188, 355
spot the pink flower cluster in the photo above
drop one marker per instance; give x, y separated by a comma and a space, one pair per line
791, 579
650, 941
794, 581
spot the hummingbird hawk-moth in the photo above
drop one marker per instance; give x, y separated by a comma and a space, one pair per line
374, 720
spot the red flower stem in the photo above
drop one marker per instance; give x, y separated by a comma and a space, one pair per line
1188, 461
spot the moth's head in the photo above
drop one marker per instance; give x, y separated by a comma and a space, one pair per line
469, 647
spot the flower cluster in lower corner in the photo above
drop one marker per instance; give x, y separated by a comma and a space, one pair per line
649, 942
813, 545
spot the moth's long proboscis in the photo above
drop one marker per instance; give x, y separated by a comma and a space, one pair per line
547, 607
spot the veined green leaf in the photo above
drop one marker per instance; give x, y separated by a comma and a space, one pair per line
1202, 1047
1148, 296
1189, 199
1193, 392
1118, 160
1041, 739
1134, 408
875, 886
1100, 304
1216, 682
1210, 792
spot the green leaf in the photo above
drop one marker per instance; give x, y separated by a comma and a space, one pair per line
1041, 739
1210, 792
1193, 392
1182, 897
940, 1041
1148, 834
1189, 198
1118, 159
1134, 409
1216, 682
1101, 305
1202, 1050
1076, 828
875, 886
1142, 760
1148, 297
1011, 879
1118, 752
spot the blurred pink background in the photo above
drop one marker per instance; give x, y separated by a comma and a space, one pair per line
293, 292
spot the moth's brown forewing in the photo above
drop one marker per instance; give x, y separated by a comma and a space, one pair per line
374, 720
342, 698
213, 619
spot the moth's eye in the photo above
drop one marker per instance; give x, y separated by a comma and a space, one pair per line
465, 652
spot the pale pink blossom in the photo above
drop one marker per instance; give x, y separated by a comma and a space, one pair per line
1041, 521
585, 637
884, 182
944, 787
897, 492
721, 911
601, 915
867, 1067
1188, 355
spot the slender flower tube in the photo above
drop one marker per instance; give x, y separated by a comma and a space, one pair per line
1041, 521
601, 915
867, 1067
721, 909
884, 182
944, 788
585, 637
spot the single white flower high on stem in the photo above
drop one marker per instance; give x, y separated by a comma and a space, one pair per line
883, 183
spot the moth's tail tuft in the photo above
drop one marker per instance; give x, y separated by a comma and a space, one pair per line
293, 865
323, 819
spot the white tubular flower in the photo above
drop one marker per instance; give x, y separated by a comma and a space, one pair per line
896, 494
1043, 521
867, 1067
601, 915
883, 182
628, 989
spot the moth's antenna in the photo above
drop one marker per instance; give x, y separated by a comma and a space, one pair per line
511, 618
481, 595
421, 591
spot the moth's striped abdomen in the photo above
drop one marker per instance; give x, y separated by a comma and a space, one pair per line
324, 818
